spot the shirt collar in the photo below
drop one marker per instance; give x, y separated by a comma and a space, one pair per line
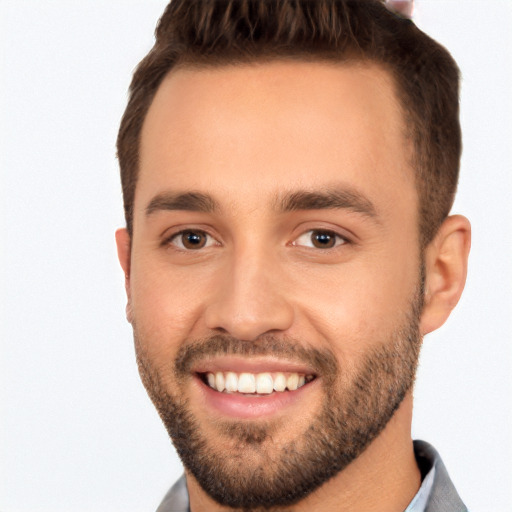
419, 502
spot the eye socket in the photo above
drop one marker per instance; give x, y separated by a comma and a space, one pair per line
320, 239
190, 240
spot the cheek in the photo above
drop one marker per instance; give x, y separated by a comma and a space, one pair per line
359, 305
166, 305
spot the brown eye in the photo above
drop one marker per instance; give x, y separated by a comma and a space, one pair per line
191, 240
323, 239
320, 239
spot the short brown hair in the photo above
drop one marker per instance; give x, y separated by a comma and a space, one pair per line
220, 32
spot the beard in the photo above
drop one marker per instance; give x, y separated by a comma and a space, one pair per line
258, 473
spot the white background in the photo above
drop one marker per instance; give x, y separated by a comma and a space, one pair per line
77, 431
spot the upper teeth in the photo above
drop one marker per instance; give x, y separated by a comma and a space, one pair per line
260, 383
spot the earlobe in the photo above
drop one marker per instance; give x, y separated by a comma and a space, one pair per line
123, 243
446, 261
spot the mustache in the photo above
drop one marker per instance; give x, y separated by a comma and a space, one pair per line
322, 362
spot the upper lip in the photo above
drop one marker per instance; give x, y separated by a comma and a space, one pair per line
260, 364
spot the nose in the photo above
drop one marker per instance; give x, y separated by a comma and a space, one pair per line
251, 298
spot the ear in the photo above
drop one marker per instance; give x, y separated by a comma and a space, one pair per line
123, 243
446, 264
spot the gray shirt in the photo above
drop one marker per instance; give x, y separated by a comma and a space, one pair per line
436, 494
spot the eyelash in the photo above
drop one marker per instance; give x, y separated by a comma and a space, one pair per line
340, 240
177, 236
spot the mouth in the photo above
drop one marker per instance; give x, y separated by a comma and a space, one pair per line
250, 389
255, 384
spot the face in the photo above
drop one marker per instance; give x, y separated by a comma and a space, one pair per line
275, 279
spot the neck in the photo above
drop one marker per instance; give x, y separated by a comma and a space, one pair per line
384, 478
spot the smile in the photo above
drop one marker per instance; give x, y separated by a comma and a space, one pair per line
237, 387
263, 384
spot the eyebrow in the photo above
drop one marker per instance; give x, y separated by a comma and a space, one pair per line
188, 201
333, 198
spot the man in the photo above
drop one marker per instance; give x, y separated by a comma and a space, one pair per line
288, 169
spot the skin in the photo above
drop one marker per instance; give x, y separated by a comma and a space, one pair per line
245, 136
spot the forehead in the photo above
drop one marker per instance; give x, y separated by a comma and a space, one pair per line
274, 126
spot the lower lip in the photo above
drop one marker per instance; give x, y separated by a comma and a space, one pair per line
246, 406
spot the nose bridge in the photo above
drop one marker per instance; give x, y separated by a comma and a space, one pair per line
251, 299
